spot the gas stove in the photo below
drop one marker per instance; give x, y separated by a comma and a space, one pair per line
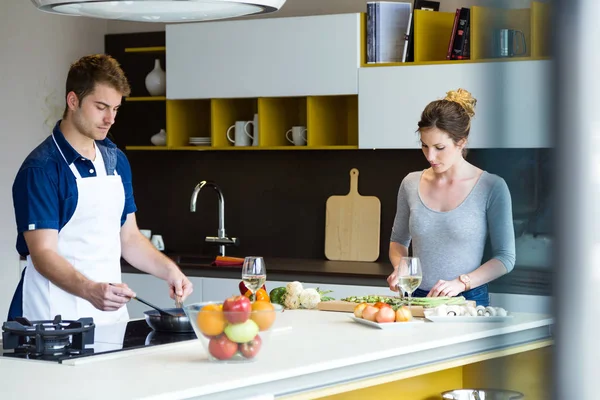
58, 340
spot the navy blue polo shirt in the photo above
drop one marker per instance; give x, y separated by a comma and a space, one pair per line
45, 189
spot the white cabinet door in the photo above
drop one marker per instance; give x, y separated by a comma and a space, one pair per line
156, 292
513, 102
299, 56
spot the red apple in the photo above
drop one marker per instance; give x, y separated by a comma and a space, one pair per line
237, 309
250, 349
222, 348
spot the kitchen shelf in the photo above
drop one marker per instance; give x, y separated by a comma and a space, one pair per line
149, 49
146, 98
433, 29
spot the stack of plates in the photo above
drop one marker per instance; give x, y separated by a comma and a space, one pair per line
200, 141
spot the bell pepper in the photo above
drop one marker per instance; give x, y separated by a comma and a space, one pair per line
261, 295
244, 289
277, 295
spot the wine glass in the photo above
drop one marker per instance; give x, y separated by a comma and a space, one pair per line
409, 276
254, 274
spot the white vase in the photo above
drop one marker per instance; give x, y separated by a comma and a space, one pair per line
159, 139
156, 80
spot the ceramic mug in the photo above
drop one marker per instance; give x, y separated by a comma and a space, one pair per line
298, 135
242, 137
255, 130
509, 43
158, 242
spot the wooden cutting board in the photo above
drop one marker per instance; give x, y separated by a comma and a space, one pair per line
348, 306
352, 224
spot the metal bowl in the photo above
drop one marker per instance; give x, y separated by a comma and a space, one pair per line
482, 394
180, 323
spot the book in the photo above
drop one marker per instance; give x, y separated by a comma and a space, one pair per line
459, 37
409, 53
387, 24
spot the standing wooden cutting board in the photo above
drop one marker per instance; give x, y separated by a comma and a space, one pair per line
352, 225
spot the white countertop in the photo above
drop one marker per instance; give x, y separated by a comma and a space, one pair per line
316, 348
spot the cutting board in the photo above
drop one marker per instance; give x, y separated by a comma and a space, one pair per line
352, 225
348, 306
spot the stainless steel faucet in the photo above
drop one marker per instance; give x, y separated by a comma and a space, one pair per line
221, 238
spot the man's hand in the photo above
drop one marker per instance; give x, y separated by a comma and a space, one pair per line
446, 288
108, 297
180, 287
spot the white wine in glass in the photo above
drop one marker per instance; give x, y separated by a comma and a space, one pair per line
254, 273
409, 276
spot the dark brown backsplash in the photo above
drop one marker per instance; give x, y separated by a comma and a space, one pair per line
275, 200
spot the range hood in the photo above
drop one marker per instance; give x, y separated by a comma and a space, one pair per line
159, 10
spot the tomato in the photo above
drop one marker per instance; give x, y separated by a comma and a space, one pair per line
381, 304
250, 349
263, 313
369, 313
211, 320
237, 309
222, 348
261, 295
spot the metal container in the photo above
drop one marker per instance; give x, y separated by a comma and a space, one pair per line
178, 323
482, 394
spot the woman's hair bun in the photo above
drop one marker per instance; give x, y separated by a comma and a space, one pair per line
464, 98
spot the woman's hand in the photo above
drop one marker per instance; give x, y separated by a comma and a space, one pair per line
393, 280
446, 288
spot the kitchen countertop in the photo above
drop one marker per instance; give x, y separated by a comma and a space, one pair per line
308, 350
522, 280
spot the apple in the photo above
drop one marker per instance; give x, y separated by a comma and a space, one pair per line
250, 349
369, 313
385, 314
221, 348
403, 314
242, 333
237, 309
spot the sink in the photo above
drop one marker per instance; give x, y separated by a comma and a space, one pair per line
194, 259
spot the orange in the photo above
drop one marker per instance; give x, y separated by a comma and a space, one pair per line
211, 320
263, 313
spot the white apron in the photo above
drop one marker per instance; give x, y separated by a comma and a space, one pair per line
91, 242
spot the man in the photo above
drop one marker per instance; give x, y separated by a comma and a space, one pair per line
75, 210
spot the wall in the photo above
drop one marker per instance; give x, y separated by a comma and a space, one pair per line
32, 74
293, 8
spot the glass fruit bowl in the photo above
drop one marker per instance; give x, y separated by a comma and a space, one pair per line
233, 331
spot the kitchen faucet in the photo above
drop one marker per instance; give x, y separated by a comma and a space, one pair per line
222, 240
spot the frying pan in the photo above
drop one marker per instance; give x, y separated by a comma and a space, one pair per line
177, 322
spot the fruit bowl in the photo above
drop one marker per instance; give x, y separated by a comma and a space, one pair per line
233, 331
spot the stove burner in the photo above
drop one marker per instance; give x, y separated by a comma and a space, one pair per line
48, 338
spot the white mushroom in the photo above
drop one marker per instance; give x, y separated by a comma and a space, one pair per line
471, 311
501, 312
490, 312
453, 310
441, 310
480, 310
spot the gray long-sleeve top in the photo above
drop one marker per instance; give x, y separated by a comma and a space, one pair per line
451, 243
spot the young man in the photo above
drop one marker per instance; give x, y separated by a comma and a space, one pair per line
75, 210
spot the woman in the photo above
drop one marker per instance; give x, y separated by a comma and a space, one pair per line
448, 210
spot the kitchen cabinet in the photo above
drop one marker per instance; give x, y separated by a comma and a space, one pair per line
513, 102
272, 57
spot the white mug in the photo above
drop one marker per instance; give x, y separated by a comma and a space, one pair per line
242, 136
298, 135
158, 242
147, 233
255, 130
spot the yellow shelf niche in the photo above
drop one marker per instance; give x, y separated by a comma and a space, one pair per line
224, 114
432, 35
185, 119
541, 19
332, 121
146, 98
485, 21
276, 115
147, 148
149, 49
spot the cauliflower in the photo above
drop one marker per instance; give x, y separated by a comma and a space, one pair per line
293, 289
292, 301
309, 298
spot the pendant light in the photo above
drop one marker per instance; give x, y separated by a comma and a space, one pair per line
159, 10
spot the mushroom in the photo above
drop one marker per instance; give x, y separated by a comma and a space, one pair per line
490, 312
